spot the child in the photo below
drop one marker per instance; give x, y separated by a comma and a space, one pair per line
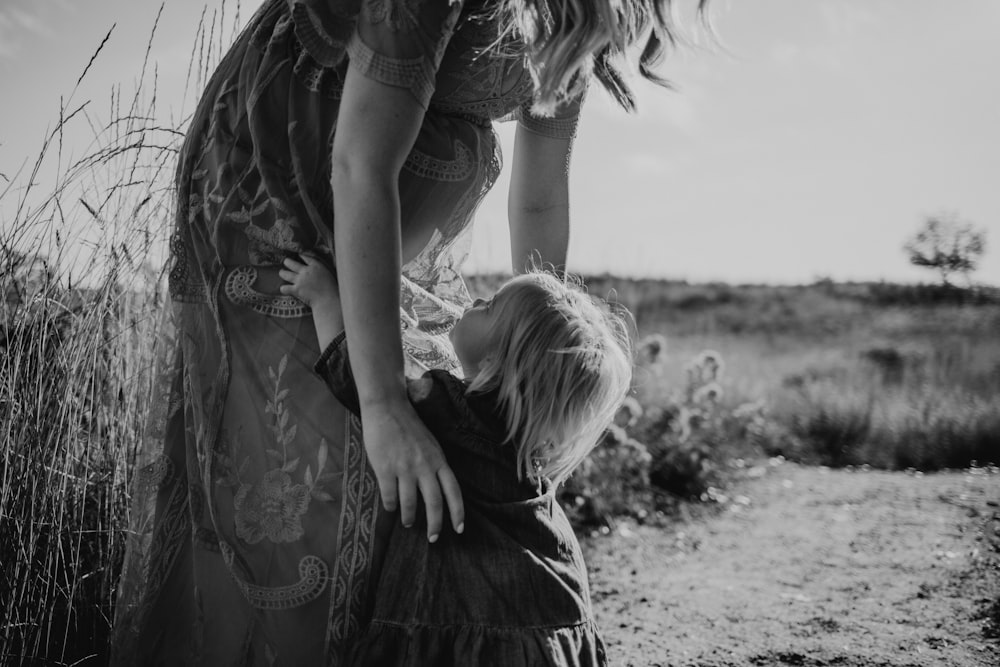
545, 369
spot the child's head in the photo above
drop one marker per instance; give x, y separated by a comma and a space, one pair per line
560, 361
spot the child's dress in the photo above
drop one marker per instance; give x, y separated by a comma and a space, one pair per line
512, 589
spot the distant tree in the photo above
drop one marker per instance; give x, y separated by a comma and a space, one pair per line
948, 245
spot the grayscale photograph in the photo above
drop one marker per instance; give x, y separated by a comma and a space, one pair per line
500, 333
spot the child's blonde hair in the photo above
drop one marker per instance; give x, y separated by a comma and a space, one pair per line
561, 362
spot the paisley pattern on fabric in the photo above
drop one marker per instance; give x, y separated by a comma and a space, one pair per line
313, 578
428, 166
239, 289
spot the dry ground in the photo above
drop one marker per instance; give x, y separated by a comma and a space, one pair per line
813, 567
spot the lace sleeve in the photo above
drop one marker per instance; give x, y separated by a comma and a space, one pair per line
401, 42
324, 27
561, 125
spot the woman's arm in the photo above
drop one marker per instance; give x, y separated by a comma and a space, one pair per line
376, 128
538, 201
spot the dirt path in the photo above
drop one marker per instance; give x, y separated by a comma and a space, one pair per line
808, 566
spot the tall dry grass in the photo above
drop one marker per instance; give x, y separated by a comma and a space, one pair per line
82, 251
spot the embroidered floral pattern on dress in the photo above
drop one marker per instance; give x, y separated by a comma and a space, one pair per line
323, 477
269, 245
272, 509
273, 239
253, 205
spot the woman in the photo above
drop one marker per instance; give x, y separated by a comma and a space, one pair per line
359, 130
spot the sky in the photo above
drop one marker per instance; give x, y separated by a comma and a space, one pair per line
809, 143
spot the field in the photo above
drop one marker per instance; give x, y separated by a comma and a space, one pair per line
895, 377
889, 375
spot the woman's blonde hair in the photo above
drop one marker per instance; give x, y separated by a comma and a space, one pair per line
561, 363
567, 40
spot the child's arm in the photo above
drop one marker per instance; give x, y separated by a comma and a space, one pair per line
311, 282
314, 285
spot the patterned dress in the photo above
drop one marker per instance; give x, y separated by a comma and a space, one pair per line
257, 528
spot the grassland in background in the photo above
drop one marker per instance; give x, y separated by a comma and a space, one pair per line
895, 376
837, 375
892, 376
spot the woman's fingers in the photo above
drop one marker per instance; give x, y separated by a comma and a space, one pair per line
407, 500
410, 466
293, 265
430, 491
388, 489
287, 275
453, 497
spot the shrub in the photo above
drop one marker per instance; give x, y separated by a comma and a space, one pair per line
672, 447
934, 431
834, 426
895, 411
893, 294
612, 481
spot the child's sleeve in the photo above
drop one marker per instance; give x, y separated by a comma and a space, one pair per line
429, 394
334, 367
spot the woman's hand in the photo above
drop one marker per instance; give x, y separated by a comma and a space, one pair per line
408, 461
376, 128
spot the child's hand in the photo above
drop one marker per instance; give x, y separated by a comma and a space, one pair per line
310, 282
